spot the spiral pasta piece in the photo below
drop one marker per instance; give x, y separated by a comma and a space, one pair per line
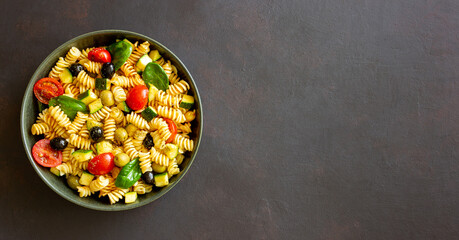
180, 87
59, 116
159, 158
138, 52
138, 121
98, 183
107, 189
109, 128
115, 171
167, 68
167, 99
65, 168
84, 53
190, 116
116, 195
183, 142
117, 114
172, 168
79, 166
171, 113
136, 80
40, 128
128, 70
145, 162
67, 153
72, 55
140, 187
77, 123
86, 81
122, 81
91, 66
101, 114
80, 142
173, 79
184, 128
61, 64
129, 148
159, 142
138, 138
160, 61
118, 94
84, 132
70, 88
84, 191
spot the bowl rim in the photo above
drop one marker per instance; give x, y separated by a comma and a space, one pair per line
107, 207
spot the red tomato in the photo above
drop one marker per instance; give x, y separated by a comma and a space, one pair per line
44, 155
47, 88
172, 128
99, 55
137, 98
101, 164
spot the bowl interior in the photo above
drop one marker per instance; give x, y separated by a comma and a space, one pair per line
29, 114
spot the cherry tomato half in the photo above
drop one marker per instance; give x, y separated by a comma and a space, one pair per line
172, 128
99, 55
44, 155
101, 164
47, 88
137, 98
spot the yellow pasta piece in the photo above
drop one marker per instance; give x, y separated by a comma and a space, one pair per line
109, 128
129, 148
85, 81
183, 142
84, 191
60, 117
78, 123
180, 87
40, 128
80, 142
98, 183
158, 157
145, 162
138, 121
171, 113
167, 99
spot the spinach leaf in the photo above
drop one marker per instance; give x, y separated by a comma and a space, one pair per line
154, 74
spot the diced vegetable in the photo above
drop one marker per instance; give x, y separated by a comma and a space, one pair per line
86, 178
171, 150
104, 147
90, 123
154, 55
95, 106
149, 113
102, 84
82, 155
142, 63
130, 197
187, 102
161, 180
87, 97
66, 76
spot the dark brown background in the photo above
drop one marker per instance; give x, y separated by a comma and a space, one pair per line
325, 119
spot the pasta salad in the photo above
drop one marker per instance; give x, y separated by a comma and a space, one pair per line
115, 120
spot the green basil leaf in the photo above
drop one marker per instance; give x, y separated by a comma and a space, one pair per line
120, 52
129, 174
154, 74
68, 105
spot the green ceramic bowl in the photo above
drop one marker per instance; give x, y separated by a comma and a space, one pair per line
29, 112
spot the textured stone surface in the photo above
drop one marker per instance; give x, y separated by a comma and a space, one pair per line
323, 119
